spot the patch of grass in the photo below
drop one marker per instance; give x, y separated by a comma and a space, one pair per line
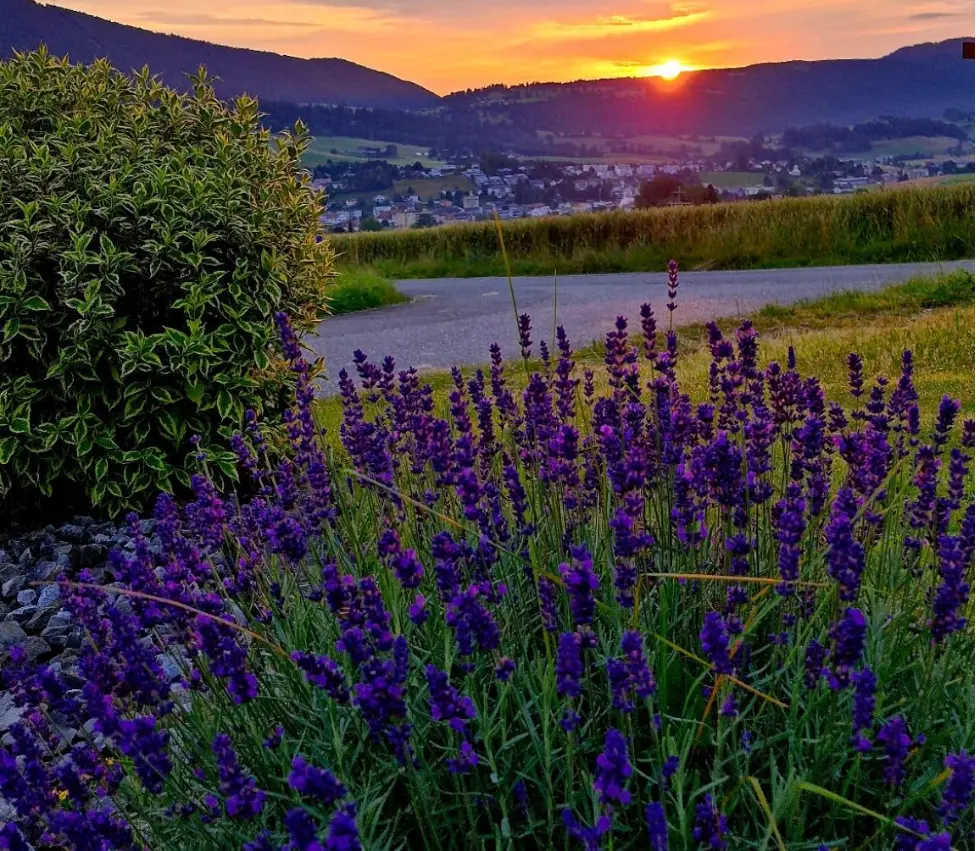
433, 187
362, 289
930, 224
731, 179
348, 149
957, 179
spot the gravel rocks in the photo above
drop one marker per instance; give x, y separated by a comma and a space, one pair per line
31, 612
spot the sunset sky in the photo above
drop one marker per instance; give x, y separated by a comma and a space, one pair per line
447, 45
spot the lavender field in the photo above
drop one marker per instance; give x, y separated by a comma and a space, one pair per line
556, 606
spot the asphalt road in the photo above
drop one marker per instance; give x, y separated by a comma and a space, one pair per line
453, 320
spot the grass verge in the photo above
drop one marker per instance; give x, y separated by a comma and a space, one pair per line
928, 224
362, 289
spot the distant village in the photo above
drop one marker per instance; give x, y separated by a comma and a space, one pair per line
450, 194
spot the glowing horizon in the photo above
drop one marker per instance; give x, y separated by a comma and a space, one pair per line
669, 69
447, 46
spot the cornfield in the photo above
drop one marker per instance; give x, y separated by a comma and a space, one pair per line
936, 223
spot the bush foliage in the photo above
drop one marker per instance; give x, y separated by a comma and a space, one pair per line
147, 238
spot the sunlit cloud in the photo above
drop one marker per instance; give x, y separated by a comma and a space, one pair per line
614, 25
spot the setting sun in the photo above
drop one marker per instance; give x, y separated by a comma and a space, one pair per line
669, 70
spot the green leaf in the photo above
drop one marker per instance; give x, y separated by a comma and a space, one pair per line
11, 329
134, 407
225, 404
195, 392
101, 468
20, 426
35, 302
7, 447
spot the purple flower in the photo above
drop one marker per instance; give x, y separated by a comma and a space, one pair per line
242, 799
274, 739
953, 593
504, 668
946, 416
446, 704
524, 334
324, 673
958, 794
227, 658
714, 642
855, 368
910, 841
141, 741
848, 637
845, 556
671, 285
417, 612
670, 768
656, 825
789, 521
620, 684
865, 684
465, 761
581, 583
520, 797
404, 564
590, 837
895, 739
710, 825
472, 622
342, 834
816, 655
613, 770
568, 665
636, 662
315, 783
729, 708
302, 831
546, 598
12, 839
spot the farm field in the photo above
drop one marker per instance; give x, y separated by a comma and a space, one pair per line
731, 179
347, 150
934, 223
667, 148
433, 187
906, 146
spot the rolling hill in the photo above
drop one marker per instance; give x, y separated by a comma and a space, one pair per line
917, 81
25, 24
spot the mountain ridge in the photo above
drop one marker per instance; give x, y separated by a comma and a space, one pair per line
26, 24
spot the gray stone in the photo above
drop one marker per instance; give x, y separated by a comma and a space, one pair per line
12, 587
21, 615
11, 634
8, 813
71, 532
46, 569
36, 648
49, 596
56, 636
11, 717
27, 597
